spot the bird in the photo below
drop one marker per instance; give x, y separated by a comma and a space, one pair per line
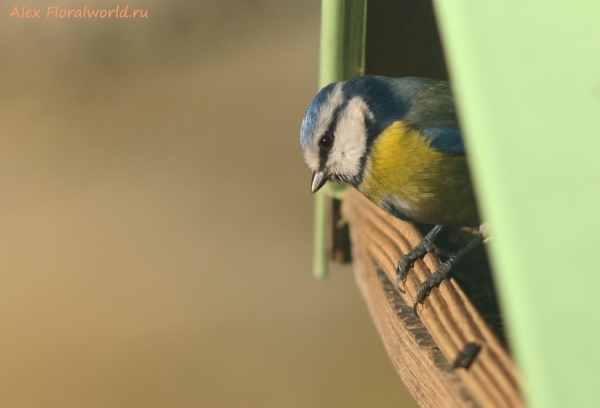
398, 142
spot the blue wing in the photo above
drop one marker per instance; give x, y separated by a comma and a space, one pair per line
447, 140
432, 113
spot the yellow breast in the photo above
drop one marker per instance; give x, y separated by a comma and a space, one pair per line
404, 173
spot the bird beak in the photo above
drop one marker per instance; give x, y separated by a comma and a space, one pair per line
318, 181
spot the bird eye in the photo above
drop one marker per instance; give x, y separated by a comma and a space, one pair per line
326, 142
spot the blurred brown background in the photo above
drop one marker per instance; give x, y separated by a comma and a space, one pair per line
155, 225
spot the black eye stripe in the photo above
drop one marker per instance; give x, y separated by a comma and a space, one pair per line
329, 133
332, 124
325, 142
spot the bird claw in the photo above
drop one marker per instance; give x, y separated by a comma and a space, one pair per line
404, 265
434, 280
407, 261
415, 308
443, 272
400, 282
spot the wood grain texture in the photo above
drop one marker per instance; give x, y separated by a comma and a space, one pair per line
448, 319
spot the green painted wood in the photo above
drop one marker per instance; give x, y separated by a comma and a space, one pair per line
527, 82
341, 57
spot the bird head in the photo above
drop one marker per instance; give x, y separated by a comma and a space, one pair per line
341, 124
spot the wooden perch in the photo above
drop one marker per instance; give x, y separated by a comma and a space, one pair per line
423, 350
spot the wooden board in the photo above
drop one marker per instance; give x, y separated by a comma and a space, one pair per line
448, 320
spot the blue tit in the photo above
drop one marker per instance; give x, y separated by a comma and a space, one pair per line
398, 142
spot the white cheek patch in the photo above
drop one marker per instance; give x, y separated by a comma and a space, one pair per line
311, 158
311, 154
350, 139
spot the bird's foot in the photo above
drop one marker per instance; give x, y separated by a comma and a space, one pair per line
433, 281
407, 261
443, 272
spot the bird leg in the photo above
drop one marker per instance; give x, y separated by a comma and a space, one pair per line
444, 270
424, 247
